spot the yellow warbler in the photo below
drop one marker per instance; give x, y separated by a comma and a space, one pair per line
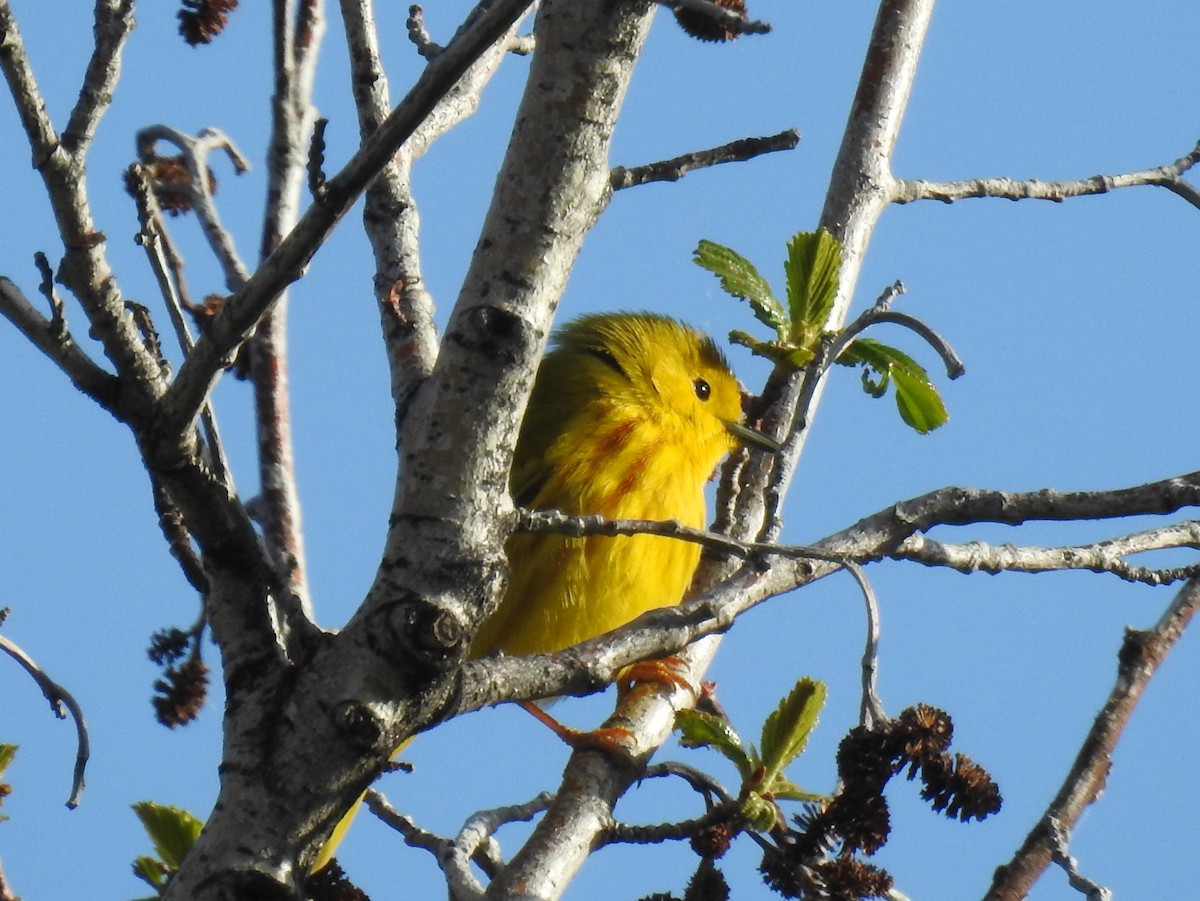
629, 416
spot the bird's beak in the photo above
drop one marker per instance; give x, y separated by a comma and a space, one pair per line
753, 438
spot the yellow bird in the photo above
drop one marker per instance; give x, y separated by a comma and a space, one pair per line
629, 416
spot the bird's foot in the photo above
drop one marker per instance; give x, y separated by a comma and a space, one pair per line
613, 740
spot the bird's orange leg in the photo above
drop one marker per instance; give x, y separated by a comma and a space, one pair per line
617, 740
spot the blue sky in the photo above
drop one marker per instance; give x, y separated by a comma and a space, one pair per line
1076, 321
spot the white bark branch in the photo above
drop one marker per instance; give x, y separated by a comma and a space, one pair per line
1169, 176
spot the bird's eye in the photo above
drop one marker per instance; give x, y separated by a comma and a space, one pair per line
703, 389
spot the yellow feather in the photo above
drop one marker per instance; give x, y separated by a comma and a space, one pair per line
629, 416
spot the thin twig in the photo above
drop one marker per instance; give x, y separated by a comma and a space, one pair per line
697, 779
677, 167
870, 711
84, 373
167, 266
58, 313
1169, 176
1138, 660
1103, 556
1061, 838
239, 316
195, 152
59, 698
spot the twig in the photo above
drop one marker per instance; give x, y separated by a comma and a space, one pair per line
114, 22
419, 35
58, 313
1169, 177
83, 372
677, 167
697, 779
1104, 556
241, 314
316, 159
167, 266
195, 152
59, 698
876, 314
1061, 838
657, 833
1139, 658
870, 711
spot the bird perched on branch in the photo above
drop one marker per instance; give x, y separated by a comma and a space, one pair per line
629, 416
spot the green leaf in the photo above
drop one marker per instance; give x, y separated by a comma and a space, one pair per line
7, 753
172, 830
703, 730
917, 398
813, 265
739, 278
919, 402
761, 814
787, 729
151, 871
786, 789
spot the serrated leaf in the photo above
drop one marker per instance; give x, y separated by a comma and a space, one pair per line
917, 398
7, 753
813, 267
172, 830
786, 730
703, 730
740, 278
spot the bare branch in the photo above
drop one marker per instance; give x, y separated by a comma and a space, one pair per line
1104, 556
1169, 176
474, 842
167, 266
870, 710
1139, 658
677, 167
56, 343
195, 152
881, 312
58, 313
589, 666
59, 698
24, 88
1061, 837
114, 22
419, 35
242, 313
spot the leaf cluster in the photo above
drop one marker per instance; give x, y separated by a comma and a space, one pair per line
784, 735
172, 831
812, 270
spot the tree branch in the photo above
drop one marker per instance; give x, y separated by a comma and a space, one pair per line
56, 343
1139, 658
1169, 176
1104, 556
114, 22
677, 167
284, 265
59, 698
